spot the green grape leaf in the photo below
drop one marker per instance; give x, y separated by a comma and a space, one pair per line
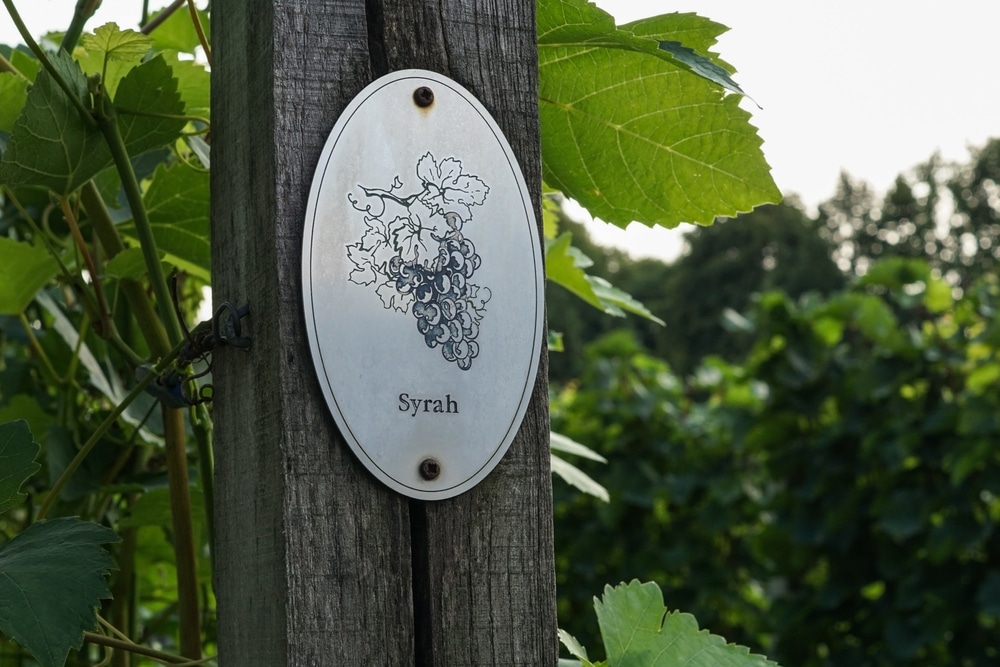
577, 478
561, 267
150, 89
112, 72
574, 647
562, 443
564, 266
638, 631
22, 59
24, 269
193, 84
17, 462
632, 133
14, 93
129, 264
617, 302
117, 44
54, 578
177, 32
579, 23
177, 203
51, 145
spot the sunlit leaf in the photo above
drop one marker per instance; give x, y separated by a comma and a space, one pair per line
24, 269
635, 135
117, 44
14, 93
638, 631
177, 31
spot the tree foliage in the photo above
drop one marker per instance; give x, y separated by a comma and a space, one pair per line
948, 213
833, 501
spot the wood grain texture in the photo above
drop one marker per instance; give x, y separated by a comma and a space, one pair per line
317, 563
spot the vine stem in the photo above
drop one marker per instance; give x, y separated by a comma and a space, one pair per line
161, 17
84, 10
38, 349
196, 20
64, 478
142, 308
173, 419
183, 530
95, 276
139, 649
109, 127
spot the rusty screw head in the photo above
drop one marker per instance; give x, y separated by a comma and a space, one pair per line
430, 469
423, 97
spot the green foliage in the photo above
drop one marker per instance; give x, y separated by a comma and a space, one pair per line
105, 191
569, 472
683, 151
25, 269
771, 248
833, 501
948, 213
54, 577
565, 264
638, 631
177, 201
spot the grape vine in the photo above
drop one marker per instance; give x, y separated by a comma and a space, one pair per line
415, 253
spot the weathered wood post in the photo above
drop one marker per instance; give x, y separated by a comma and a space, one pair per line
317, 562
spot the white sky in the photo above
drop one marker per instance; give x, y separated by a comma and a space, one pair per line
870, 86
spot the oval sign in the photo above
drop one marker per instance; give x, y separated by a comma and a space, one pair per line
423, 284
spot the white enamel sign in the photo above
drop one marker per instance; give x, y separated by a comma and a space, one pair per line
422, 284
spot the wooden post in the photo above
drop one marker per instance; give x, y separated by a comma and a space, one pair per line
317, 562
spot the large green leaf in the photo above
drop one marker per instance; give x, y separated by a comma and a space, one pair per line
51, 145
580, 23
54, 578
639, 632
24, 269
634, 134
17, 462
177, 202
149, 90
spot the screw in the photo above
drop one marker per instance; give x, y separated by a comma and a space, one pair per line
423, 97
430, 469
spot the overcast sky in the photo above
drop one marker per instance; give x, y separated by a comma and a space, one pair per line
873, 87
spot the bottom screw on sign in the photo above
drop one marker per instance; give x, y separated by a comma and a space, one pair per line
430, 469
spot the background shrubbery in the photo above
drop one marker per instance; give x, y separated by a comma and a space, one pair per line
829, 493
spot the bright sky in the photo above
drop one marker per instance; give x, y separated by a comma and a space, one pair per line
873, 87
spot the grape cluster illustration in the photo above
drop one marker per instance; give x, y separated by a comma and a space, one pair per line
420, 262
